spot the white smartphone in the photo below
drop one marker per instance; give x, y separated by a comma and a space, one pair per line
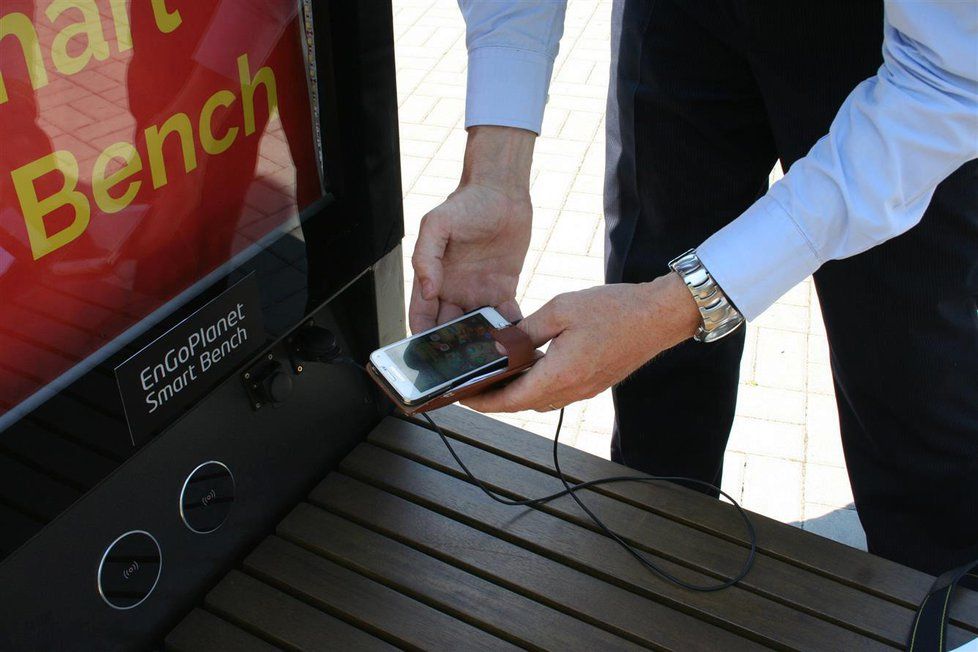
428, 364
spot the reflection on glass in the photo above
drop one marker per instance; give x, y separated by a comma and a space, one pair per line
142, 148
452, 351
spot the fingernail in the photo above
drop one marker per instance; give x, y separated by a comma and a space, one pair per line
500, 348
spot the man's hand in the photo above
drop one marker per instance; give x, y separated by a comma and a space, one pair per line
598, 337
471, 248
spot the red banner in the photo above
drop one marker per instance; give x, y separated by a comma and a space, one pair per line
142, 146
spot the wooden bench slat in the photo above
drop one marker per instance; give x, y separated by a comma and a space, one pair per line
522, 570
371, 605
735, 608
805, 549
288, 622
201, 631
771, 577
398, 548
465, 596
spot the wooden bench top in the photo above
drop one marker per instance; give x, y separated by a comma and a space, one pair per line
396, 550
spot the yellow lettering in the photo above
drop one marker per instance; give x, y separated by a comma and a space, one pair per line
101, 184
264, 76
166, 21
20, 26
155, 136
90, 26
212, 145
35, 209
120, 19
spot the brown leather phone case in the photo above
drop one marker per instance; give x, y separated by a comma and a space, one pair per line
521, 356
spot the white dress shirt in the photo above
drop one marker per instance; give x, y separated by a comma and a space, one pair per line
897, 135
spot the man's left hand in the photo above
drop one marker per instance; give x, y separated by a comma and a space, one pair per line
598, 337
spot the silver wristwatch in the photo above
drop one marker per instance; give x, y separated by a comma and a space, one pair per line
720, 318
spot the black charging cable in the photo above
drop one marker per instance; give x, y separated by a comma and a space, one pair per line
571, 489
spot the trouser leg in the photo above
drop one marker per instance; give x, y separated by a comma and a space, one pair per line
901, 318
902, 321
689, 149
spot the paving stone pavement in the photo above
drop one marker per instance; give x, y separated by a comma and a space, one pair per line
784, 458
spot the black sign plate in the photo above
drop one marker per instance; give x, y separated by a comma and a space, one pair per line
165, 378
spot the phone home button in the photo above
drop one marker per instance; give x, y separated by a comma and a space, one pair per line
396, 374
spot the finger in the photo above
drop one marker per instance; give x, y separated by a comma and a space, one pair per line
448, 311
428, 253
423, 313
543, 325
533, 390
510, 310
494, 400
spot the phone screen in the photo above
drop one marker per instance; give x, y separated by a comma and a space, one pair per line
451, 352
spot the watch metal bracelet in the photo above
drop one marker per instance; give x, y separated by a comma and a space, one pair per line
720, 318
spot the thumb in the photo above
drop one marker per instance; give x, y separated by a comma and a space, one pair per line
428, 253
543, 325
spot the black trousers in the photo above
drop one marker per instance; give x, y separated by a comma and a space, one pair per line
706, 95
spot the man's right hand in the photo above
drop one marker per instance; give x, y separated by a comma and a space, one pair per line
471, 248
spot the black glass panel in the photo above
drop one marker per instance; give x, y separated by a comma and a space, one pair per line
153, 154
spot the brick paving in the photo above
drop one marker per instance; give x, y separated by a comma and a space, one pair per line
784, 458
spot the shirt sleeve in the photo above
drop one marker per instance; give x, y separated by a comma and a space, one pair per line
512, 45
896, 137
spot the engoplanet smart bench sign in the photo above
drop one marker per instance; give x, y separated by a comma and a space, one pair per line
176, 369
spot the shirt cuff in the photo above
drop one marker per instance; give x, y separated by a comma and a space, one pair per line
758, 257
507, 87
